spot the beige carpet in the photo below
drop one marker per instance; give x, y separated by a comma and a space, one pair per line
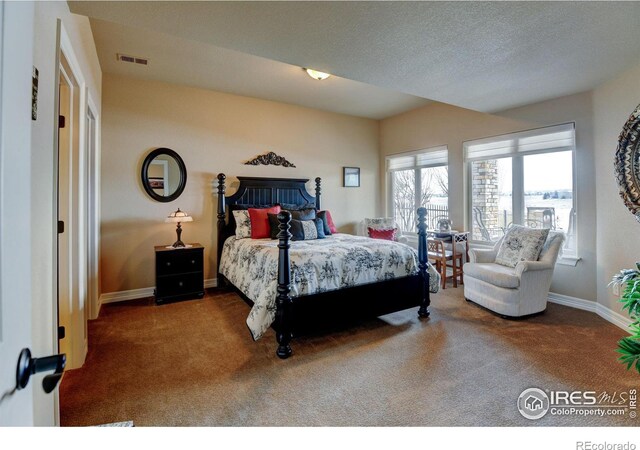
194, 364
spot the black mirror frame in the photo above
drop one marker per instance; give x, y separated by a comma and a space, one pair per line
145, 177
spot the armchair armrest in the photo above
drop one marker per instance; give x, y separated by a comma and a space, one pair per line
482, 256
403, 240
527, 266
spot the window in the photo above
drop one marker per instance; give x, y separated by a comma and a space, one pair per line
523, 178
419, 179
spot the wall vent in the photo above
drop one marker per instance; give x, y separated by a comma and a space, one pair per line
132, 59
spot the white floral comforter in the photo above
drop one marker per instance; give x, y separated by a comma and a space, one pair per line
339, 261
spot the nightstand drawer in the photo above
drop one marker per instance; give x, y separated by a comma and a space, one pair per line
179, 261
179, 284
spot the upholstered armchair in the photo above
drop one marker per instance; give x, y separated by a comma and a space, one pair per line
511, 292
380, 223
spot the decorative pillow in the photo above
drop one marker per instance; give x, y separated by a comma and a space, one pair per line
380, 223
232, 221
260, 221
303, 214
521, 244
274, 225
389, 235
304, 230
329, 227
243, 224
296, 207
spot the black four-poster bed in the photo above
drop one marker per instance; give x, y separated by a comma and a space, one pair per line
297, 315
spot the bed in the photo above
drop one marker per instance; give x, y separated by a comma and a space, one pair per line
297, 287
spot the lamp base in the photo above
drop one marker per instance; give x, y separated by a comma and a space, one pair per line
178, 243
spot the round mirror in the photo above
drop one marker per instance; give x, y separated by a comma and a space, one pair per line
164, 175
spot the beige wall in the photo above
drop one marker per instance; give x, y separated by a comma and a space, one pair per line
42, 170
214, 132
618, 244
442, 124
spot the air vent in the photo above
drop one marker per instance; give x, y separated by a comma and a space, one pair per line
132, 59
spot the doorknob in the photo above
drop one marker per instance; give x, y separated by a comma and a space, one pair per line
28, 366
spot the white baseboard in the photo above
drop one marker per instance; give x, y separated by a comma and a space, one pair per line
573, 302
134, 294
587, 305
613, 317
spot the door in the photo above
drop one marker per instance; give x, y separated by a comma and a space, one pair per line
16, 44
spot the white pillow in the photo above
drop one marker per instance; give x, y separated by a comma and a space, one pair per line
243, 224
379, 223
521, 244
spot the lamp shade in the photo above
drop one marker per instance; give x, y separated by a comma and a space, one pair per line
178, 216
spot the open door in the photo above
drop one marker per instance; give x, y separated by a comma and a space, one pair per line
17, 402
16, 25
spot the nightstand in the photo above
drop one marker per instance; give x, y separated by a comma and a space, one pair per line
179, 273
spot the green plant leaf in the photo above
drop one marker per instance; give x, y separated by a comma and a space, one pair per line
629, 348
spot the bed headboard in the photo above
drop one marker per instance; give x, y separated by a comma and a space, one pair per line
259, 191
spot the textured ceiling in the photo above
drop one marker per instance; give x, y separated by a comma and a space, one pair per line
486, 56
193, 63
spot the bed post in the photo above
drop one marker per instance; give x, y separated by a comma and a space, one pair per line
283, 300
423, 263
221, 219
318, 189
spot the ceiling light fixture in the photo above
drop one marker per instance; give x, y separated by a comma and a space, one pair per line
317, 75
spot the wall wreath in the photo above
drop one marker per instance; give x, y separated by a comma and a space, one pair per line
627, 163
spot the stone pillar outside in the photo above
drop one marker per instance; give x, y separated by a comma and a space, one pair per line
484, 176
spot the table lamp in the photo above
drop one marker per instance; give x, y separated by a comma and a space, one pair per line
178, 217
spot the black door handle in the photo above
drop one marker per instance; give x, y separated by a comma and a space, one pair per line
28, 366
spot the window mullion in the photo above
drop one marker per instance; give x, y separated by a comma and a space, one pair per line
517, 193
418, 188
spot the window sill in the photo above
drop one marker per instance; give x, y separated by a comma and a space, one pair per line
571, 261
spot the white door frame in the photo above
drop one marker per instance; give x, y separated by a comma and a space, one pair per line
165, 173
76, 224
93, 209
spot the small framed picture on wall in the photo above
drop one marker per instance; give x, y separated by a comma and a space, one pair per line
351, 176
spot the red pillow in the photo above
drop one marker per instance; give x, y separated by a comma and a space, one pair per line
332, 227
260, 221
389, 235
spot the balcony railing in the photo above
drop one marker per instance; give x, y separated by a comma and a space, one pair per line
406, 217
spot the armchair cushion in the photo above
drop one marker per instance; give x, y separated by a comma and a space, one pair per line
477, 255
521, 244
494, 274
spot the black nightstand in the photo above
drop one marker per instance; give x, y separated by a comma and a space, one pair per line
179, 273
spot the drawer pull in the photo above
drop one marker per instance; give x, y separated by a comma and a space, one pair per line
193, 261
180, 283
168, 263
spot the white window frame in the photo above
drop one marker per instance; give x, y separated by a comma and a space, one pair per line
433, 159
511, 149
